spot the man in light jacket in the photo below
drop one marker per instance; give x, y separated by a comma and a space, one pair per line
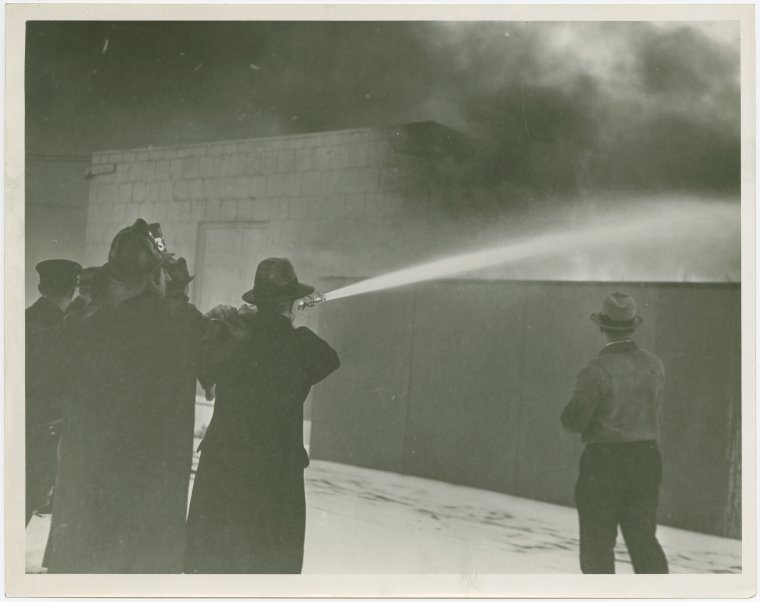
615, 408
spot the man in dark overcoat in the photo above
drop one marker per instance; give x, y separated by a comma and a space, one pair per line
44, 371
248, 512
615, 407
83, 298
126, 447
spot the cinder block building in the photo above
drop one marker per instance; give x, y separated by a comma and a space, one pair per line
336, 203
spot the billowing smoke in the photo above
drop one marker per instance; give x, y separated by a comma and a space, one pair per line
554, 107
559, 120
562, 109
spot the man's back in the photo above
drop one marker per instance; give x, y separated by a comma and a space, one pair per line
615, 406
262, 388
127, 443
617, 396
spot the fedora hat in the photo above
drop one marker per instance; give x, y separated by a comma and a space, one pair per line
177, 271
134, 254
618, 313
100, 285
276, 280
84, 279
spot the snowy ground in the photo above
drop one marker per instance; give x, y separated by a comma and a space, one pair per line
368, 521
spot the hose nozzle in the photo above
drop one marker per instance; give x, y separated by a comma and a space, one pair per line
310, 300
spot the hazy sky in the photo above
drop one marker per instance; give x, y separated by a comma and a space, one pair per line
565, 105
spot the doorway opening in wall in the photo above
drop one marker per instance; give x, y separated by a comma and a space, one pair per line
227, 255
226, 260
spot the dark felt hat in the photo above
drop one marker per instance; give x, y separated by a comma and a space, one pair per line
177, 270
99, 287
58, 273
84, 278
618, 313
134, 254
276, 280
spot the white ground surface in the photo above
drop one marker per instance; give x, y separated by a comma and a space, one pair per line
368, 521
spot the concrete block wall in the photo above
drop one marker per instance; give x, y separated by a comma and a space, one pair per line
327, 200
465, 381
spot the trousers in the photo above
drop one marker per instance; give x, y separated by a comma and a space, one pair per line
618, 485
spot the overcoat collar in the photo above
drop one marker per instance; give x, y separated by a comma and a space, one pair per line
48, 306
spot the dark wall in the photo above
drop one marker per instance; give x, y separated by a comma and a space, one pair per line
464, 382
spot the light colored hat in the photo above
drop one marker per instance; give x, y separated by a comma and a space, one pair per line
618, 313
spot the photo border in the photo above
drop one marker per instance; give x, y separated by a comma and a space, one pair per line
18, 583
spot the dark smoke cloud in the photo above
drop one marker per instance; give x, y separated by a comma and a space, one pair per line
588, 106
552, 108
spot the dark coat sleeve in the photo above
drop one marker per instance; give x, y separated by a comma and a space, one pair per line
320, 360
225, 332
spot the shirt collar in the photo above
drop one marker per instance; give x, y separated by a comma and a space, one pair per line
618, 346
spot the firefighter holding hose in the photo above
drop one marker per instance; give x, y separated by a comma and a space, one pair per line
248, 512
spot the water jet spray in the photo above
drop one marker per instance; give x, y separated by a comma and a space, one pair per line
691, 224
